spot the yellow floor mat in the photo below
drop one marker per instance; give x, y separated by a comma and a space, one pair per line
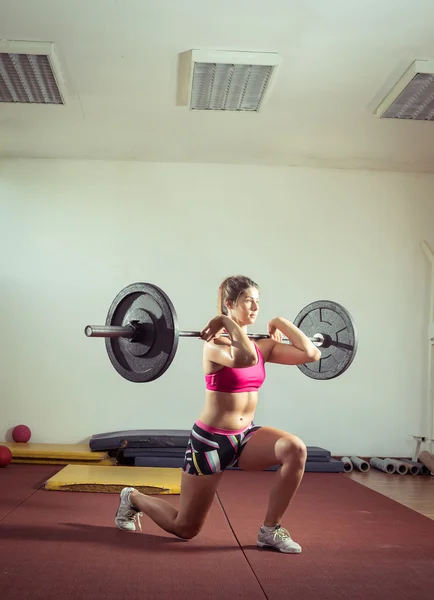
93, 478
56, 451
62, 461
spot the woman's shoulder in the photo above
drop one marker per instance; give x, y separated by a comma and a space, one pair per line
210, 362
265, 346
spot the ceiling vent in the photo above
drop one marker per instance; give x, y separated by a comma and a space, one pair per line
413, 95
225, 81
29, 73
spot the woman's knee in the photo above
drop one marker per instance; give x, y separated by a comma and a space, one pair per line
188, 531
291, 449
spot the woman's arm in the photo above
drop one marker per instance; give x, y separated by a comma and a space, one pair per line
301, 350
238, 352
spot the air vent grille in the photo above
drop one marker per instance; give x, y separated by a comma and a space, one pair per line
27, 79
416, 101
230, 87
412, 96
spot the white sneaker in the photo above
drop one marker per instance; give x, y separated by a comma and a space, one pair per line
277, 538
126, 514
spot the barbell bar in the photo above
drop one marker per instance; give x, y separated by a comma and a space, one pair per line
133, 331
141, 334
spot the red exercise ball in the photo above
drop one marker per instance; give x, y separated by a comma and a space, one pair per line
5, 456
21, 433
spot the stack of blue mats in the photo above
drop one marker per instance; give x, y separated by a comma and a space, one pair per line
166, 448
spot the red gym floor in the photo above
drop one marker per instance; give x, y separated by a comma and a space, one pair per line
357, 544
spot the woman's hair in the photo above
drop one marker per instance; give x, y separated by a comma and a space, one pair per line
231, 289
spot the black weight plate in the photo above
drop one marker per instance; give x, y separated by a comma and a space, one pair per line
146, 358
332, 319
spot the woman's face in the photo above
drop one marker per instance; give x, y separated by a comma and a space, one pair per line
245, 310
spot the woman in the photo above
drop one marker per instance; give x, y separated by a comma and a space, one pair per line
224, 434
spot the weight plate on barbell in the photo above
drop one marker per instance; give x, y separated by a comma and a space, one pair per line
331, 319
150, 355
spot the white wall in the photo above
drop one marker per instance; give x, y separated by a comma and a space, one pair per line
73, 234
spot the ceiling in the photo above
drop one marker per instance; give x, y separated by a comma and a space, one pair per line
119, 59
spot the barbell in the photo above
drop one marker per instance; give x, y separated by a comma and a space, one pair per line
141, 334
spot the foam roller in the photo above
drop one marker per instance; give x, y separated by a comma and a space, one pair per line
400, 467
383, 465
415, 468
348, 465
360, 464
427, 459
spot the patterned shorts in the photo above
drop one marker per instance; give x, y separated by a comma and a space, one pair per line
211, 450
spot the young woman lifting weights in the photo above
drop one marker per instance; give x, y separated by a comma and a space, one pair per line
224, 434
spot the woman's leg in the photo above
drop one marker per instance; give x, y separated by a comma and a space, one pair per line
197, 495
266, 448
269, 447
208, 453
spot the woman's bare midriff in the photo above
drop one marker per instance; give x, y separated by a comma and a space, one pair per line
229, 411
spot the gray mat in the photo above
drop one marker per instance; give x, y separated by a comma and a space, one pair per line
314, 453
152, 452
140, 438
165, 443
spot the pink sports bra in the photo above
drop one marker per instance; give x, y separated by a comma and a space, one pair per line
237, 380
